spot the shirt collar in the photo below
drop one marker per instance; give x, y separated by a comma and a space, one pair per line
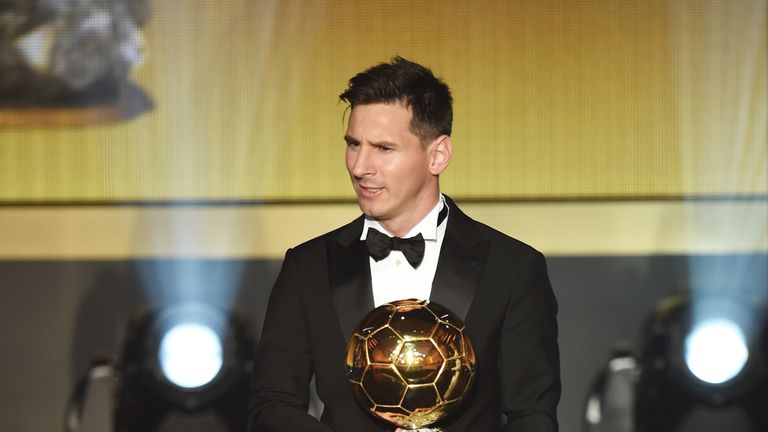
427, 226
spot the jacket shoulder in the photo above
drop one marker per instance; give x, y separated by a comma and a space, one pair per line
504, 240
344, 233
479, 231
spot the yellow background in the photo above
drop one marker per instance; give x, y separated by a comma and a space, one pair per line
553, 99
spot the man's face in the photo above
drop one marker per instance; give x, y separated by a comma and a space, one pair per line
391, 170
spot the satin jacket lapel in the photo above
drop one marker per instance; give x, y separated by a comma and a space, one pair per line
462, 257
350, 277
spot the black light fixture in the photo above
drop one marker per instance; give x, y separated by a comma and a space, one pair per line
701, 366
183, 366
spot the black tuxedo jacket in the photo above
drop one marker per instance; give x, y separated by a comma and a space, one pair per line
496, 284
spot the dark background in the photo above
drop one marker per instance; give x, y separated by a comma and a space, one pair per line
57, 315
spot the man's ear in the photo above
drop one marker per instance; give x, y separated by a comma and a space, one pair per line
440, 154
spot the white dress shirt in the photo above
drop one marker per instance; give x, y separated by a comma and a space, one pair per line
393, 278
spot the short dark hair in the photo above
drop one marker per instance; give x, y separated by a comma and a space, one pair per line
409, 83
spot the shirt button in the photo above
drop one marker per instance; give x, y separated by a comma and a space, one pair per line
398, 262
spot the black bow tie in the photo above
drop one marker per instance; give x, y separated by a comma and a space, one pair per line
380, 245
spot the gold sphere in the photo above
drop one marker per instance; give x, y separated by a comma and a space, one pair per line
411, 363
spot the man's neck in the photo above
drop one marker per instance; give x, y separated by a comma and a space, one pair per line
401, 227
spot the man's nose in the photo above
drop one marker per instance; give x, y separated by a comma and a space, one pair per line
363, 162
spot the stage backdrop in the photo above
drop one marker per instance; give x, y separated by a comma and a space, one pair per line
554, 99
626, 139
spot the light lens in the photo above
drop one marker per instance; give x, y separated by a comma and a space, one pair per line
190, 355
716, 351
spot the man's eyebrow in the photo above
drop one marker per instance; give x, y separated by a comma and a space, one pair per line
353, 141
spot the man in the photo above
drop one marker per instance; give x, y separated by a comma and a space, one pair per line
398, 143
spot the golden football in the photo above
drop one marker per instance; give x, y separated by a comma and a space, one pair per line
410, 363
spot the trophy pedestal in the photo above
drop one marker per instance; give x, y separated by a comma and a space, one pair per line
130, 102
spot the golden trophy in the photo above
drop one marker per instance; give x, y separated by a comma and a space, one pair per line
411, 363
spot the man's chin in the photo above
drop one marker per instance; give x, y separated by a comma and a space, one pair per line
371, 216
370, 213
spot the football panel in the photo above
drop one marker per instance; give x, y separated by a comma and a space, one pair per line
469, 349
362, 397
454, 380
356, 359
417, 323
375, 320
421, 398
444, 314
383, 346
449, 340
383, 385
419, 362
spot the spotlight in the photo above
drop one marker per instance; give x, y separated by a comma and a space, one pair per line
190, 355
187, 343
184, 366
716, 350
700, 367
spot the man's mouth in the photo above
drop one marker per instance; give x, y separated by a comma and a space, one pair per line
370, 190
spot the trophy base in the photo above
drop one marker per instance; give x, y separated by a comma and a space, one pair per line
131, 101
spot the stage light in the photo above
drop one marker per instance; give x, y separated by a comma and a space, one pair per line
190, 355
183, 366
716, 350
701, 366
